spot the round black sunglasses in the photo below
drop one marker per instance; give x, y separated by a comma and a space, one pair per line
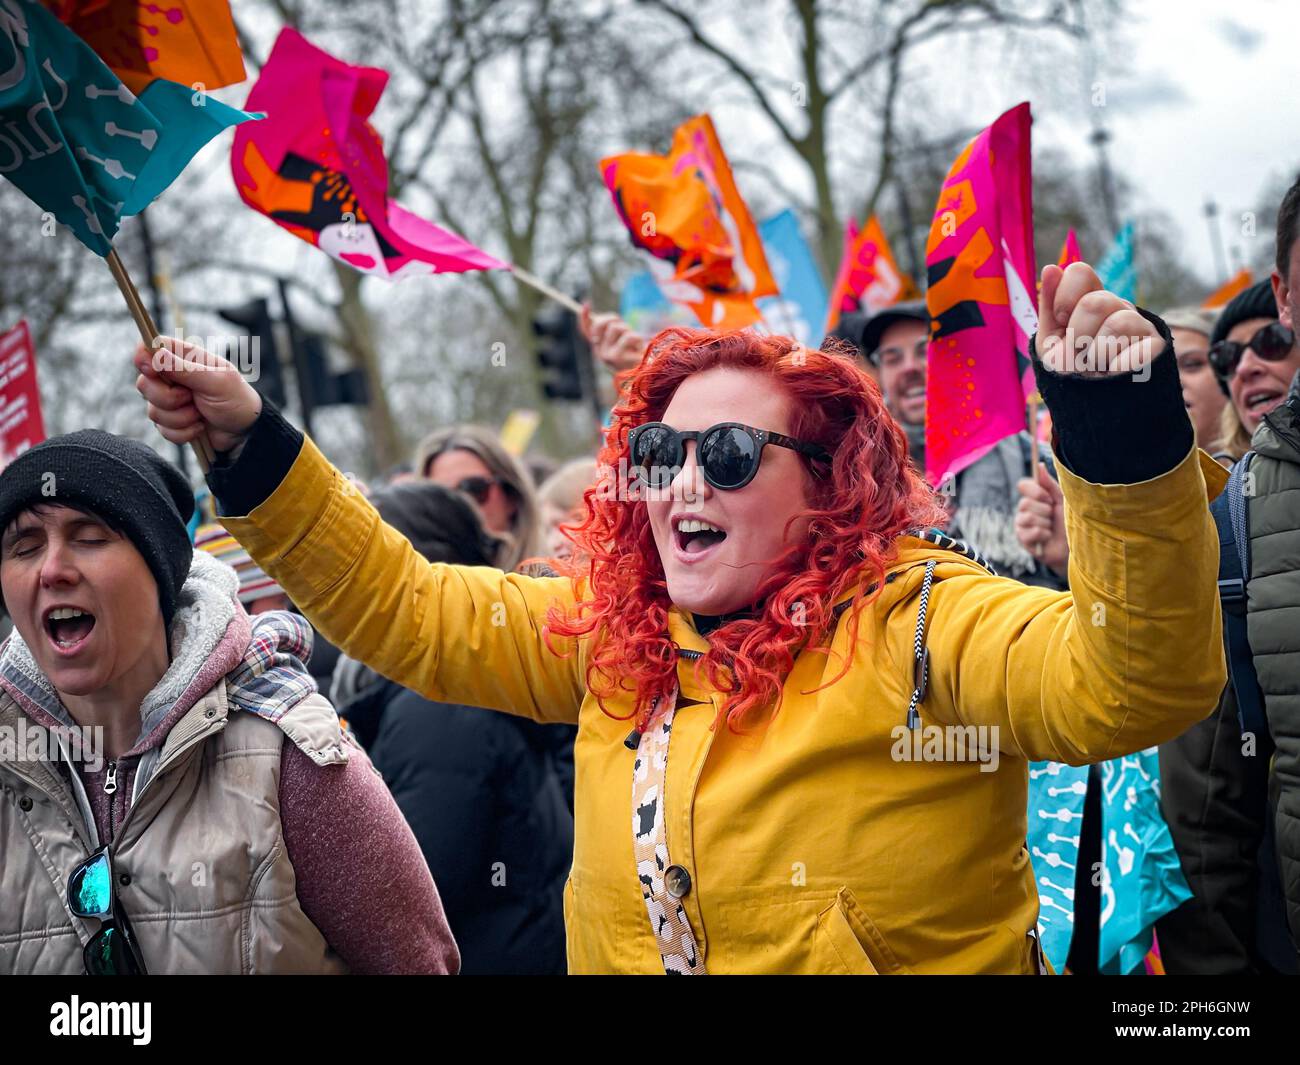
1272, 343
728, 453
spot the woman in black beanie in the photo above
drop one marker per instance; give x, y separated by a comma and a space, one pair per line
1254, 357
143, 827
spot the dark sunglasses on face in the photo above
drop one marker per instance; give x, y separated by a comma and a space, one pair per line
113, 950
1273, 343
728, 453
478, 488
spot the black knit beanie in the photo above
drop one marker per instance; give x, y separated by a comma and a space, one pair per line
121, 480
441, 524
1254, 302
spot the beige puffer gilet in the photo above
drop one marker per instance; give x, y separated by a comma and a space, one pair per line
200, 861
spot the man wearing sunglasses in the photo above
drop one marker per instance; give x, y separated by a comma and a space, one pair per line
233, 828
1232, 783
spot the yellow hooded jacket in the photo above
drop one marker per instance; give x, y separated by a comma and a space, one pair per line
829, 840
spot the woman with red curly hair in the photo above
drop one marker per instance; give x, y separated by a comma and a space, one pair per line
805, 719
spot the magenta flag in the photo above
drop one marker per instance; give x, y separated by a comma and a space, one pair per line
981, 272
316, 166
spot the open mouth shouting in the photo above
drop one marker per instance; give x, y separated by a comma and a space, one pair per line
694, 538
1259, 401
67, 628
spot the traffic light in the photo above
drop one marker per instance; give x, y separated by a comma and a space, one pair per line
564, 354
318, 386
328, 388
256, 353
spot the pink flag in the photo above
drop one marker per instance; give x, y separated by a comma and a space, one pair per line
981, 269
316, 166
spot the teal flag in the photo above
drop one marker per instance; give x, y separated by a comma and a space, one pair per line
1117, 270
76, 140
1142, 879
1056, 795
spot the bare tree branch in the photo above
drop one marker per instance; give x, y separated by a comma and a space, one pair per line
746, 77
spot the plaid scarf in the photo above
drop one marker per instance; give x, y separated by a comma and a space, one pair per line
272, 677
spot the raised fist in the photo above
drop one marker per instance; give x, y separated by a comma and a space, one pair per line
1085, 330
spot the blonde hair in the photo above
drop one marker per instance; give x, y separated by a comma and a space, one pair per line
1234, 438
563, 489
1194, 319
524, 539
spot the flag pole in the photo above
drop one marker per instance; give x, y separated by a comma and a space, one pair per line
148, 333
525, 278
1037, 549
1033, 436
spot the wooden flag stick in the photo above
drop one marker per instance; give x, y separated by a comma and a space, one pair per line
148, 333
1033, 437
1037, 549
163, 280
546, 290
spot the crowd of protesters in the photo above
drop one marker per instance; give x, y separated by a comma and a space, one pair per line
463, 724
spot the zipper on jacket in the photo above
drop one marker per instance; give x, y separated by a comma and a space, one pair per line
164, 764
633, 740
110, 789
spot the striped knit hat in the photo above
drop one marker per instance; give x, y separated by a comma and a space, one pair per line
253, 583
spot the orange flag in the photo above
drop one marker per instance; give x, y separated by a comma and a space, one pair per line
685, 212
1239, 282
868, 273
192, 42
1069, 251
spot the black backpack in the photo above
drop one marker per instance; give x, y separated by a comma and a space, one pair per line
1232, 518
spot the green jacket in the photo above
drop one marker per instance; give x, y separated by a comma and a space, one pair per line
1222, 791
1273, 621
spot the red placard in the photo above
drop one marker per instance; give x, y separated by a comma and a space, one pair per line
21, 424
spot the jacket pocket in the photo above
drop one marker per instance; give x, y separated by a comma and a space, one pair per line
849, 938
598, 937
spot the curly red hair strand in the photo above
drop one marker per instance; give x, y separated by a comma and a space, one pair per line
866, 496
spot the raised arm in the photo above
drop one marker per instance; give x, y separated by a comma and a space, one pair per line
461, 634
1132, 655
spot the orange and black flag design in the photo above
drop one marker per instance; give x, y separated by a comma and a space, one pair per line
316, 166
685, 212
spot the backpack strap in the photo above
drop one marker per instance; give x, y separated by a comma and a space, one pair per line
1232, 520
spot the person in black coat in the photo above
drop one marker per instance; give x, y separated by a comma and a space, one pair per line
488, 795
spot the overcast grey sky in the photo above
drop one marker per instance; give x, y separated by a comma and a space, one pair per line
1208, 106
1201, 98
